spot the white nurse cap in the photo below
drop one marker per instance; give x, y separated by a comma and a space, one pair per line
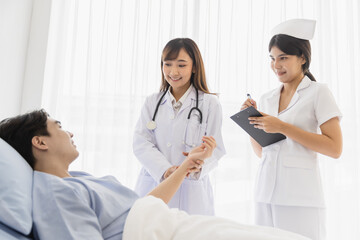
299, 28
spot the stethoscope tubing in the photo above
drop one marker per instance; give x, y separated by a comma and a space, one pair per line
152, 124
158, 104
197, 107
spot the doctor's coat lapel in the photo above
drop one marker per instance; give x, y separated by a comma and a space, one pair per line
191, 98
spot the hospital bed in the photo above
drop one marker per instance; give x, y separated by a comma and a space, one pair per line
149, 218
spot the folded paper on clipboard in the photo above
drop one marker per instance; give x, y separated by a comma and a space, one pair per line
263, 138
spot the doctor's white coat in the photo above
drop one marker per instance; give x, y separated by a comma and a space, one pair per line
161, 148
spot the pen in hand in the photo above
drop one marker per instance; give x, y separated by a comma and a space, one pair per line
248, 103
249, 97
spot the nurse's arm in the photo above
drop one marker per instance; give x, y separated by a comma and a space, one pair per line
167, 188
329, 142
256, 147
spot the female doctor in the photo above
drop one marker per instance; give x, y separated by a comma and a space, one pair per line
288, 192
173, 121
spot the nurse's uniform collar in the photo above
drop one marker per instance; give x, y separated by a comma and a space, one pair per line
305, 82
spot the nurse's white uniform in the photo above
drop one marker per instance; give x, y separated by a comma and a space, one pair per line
161, 148
288, 182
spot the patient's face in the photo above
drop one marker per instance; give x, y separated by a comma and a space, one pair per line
60, 142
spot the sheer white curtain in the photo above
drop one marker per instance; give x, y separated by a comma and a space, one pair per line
104, 58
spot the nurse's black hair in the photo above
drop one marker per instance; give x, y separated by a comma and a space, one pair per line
18, 132
294, 46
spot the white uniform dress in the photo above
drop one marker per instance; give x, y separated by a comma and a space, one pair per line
288, 190
161, 148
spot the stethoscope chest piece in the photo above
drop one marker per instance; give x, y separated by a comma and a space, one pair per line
151, 125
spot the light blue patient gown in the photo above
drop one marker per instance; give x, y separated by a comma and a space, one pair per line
81, 207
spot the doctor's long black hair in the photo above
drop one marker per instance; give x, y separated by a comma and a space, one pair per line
294, 46
171, 51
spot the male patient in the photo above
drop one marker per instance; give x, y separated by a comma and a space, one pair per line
75, 205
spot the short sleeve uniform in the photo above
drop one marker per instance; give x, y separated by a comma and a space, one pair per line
289, 172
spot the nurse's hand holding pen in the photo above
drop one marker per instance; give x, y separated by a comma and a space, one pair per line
248, 103
267, 123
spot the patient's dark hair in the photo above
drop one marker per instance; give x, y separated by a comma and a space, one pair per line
294, 46
18, 132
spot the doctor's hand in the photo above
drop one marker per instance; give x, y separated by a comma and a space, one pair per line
195, 158
267, 123
169, 171
248, 103
194, 165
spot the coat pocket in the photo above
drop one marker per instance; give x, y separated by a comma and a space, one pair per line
194, 131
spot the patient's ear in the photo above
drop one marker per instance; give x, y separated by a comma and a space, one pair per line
39, 143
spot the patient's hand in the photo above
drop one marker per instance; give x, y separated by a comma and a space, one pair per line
169, 171
193, 162
195, 158
203, 151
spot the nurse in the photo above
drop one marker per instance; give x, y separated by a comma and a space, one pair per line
288, 192
175, 120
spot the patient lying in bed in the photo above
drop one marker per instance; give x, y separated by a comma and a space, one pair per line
76, 205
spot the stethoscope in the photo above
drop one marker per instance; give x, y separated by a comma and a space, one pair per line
152, 124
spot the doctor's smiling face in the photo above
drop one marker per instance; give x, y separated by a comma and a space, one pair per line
177, 72
287, 67
181, 66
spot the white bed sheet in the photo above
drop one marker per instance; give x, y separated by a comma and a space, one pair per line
151, 219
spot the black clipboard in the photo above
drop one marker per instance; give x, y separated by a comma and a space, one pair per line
263, 138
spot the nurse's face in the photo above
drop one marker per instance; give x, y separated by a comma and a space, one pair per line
286, 67
177, 72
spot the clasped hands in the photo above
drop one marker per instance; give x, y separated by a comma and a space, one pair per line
196, 157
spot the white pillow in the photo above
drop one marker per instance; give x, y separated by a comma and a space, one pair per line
16, 179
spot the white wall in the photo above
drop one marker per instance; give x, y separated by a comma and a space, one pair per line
36, 56
15, 18
24, 28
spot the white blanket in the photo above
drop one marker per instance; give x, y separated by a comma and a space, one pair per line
151, 219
